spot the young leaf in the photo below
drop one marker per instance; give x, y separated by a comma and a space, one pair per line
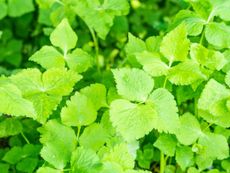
80, 111
48, 169
189, 130
48, 57
184, 157
175, 45
167, 144
211, 59
167, 120
64, 37
128, 118
218, 34
51, 133
133, 84
17, 8
213, 94
93, 137
152, 63
185, 73
45, 90
121, 155
14, 103
97, 94
84, 160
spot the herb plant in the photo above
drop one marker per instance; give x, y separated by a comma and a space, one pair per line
87, 101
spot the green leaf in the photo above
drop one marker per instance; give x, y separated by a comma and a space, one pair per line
184, 157
97, 94
4, 167
189, 129
48, 57
152, 63
14, 103
79, 111
175, 44
14, 155
55, 151
128, 118
27, 165
99, 17
3, 10
167, 144
133, 84
167, 120
211, 59
64, 37
45, 90
221, 9
202, 8
218, 34
48, 169
185, 73
210, 142
210, 103
79, 60
18, 8
10, 127
194, 24
121, 155
93, 137
85, 160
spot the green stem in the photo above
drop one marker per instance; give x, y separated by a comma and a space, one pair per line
162, 163
96, 46
25, 138
165, 81
202, 37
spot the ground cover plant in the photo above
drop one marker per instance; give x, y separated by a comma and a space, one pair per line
114, 86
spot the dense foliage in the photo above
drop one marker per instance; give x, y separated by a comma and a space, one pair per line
114, 86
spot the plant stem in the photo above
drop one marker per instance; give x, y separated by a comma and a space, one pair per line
78, 132
96, 46
25, 138
162, 163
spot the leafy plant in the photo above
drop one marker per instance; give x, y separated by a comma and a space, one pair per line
162, 105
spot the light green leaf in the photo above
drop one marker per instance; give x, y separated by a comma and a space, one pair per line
221, 9
3, 10
17, 8
175, 44
194, 24
79, 60
218, 34
93, 137
152, 63
79, 111
210, 142
9, 127
45, 90
99, 17
121, 155
128, 118
184, 157
167, 144
48, 169
133, 84
14, 103
48, 57
55, 151
185, 73
202, 8
97, 94
64, 37
210, 103
211, 59
189, 129
167, 120
85, 160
